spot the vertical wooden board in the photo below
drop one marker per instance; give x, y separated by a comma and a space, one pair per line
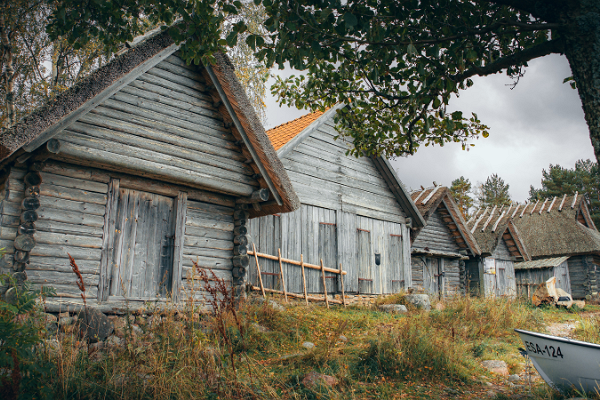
328, 252
350, 262
108, 239
253, 228
180, 217
116, 267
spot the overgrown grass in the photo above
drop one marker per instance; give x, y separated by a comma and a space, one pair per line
257, 353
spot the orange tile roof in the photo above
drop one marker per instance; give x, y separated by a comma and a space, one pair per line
283, 133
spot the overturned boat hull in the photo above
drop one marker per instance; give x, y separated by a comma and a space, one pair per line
564, 363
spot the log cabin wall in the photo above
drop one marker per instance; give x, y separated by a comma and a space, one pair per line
145, 165
348, 215
162, 125
583, 276
436, 235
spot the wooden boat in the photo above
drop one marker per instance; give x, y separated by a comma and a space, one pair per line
564, 363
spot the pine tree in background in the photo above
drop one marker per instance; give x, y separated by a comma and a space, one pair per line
584, 179
494, 192
461, 190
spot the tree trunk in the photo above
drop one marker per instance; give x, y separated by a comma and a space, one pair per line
8, 75
582, 48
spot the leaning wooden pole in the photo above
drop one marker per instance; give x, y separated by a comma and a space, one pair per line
303, 278
324, 283
262, 288
282, 277
342, 286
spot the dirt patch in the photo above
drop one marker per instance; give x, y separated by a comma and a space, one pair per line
564, 329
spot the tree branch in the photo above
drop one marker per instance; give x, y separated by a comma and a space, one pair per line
549, 47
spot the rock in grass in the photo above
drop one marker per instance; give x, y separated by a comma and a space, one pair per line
394, 308
498, 367
514, 378
420, 301
308, 345
94, 325
313, 379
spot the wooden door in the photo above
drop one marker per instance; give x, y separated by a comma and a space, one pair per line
328, 253
365, 262
395, 264
142, 256
431, 276
561, 273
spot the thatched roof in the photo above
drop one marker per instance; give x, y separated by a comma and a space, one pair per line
439, 198
490, 226
560, 226
541, 263
50, 119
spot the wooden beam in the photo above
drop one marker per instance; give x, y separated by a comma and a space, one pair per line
242, 132
180, 218
108, 239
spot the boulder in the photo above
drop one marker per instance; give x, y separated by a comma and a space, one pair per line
420, 301
498, 367
514, 378
94, 325
313, 379
394, 308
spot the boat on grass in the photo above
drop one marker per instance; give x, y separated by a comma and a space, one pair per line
564, 363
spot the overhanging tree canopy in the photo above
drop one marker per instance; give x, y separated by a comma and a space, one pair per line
396, 62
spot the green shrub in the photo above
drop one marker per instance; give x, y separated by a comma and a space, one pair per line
21, 331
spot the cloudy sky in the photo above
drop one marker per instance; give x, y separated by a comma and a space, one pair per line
538, 123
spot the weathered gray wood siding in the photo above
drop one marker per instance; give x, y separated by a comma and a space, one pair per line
162, 125
10, 209
582, 273
506, 284
72, 218
334, 236
324, 176
208, 242
453, 277
436, 236
70, 221
533, 277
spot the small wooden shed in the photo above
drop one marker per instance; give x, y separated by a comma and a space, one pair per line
141, 168
529, 274
561, 227
440, 249
493, 272
354, 212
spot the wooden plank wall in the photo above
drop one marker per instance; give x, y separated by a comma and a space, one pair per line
505, 271
208, 242
10, 208
70, 221
473, 266
324, 176
452, 278
302, 232
163, 125
436, 236
582, 275
531, 276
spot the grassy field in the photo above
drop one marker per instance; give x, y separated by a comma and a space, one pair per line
258, 353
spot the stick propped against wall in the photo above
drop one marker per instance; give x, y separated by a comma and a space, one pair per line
262, 288
282, 278
324, 283
303, 278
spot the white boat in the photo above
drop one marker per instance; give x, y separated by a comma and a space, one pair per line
564, 363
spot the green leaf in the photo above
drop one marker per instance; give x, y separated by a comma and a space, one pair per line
411, 49
251, 41
350, 19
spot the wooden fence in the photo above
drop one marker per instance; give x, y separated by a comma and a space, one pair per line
302, 266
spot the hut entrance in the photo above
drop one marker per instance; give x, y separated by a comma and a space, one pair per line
432, 276
142, 256
328, 253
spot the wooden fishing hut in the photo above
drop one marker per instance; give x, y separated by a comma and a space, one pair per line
493, 272
553, 229
139, 169
440, 248
354, 212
